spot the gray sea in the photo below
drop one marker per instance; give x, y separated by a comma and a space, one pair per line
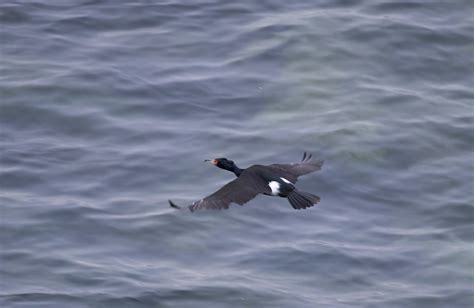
108, 109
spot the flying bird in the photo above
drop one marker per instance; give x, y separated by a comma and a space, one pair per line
272, 180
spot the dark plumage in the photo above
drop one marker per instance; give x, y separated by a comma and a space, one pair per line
273, 180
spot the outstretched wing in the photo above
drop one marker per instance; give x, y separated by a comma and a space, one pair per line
292, 171
241, 190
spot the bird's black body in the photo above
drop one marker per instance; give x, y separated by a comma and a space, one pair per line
274, 180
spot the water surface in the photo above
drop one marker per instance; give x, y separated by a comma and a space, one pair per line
108, 109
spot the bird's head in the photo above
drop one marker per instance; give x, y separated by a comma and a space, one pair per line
222, 163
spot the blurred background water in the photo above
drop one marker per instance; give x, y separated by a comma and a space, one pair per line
108, 109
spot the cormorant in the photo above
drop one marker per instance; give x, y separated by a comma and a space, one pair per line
273, 180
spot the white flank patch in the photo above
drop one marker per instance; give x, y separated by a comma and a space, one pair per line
286, 181
275, 187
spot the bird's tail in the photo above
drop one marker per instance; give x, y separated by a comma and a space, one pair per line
302, 200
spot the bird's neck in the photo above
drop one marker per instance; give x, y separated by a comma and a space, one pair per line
236, 170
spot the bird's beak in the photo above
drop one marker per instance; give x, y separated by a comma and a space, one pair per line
212, 161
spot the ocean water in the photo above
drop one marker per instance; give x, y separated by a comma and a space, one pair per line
108, 109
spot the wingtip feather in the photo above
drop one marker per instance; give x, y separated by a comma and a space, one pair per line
174, 205
306, 156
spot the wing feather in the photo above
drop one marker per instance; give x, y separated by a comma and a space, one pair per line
241, 190
292, 171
